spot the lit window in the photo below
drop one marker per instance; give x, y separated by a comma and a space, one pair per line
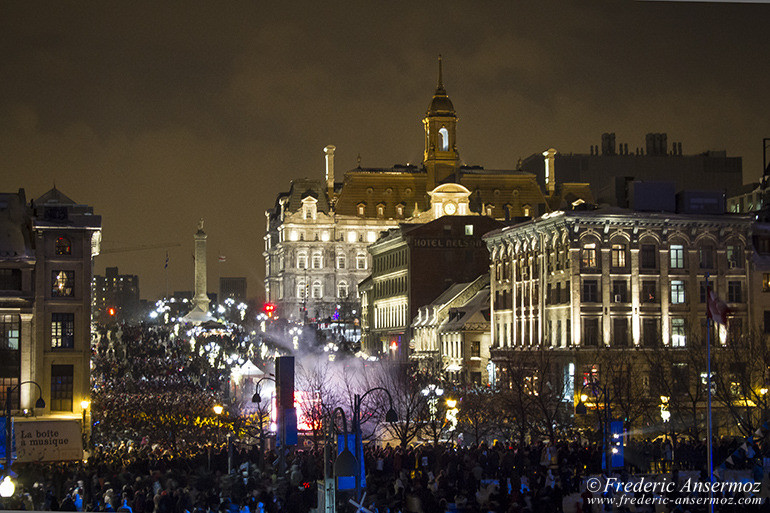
444, 134
293, 236
380, 210
63, 330
63, 284
63, 246
468, 229
618, 255
400, 210
302, 261
677, 256
317, 261
678, 338
361, 209
10, 330
589, 255
351, 236
371, 237
61, 387
677, 292
527, 210
766, 282
734, 257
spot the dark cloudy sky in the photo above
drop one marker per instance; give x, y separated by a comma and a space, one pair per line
158, 113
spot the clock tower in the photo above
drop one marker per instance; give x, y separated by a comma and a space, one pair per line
441, 158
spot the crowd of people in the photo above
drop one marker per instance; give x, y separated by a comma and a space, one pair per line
506, 478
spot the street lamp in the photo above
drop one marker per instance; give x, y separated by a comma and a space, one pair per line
390, 416
257, 400
665, 415
39, 404
84, 404
581, 409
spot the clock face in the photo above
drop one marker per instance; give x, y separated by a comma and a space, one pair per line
450, 208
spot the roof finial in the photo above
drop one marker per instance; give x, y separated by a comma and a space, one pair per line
440, 78
358, 160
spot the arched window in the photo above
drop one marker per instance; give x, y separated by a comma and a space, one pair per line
342, 290
360, 261
63, 246
381, 210
301, 289
302, 261
361, 209
317, 290
341, 261
527, 210
400, 210
444, 134
318, 261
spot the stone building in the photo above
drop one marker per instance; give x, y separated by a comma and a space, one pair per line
115, 297
47, 248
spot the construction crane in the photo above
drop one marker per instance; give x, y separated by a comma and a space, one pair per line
139, 248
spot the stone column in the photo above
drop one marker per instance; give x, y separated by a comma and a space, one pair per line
201, 298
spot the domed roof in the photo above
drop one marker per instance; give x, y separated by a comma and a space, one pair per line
440, 105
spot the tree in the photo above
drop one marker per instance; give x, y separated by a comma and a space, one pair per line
405, 386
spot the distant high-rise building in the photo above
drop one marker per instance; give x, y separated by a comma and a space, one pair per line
232, 287
115, 297
46, 256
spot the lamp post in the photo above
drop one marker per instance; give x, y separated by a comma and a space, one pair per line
257, 400
40, 403
345, 465
84, 404
218, 409
391, 416
581, 409
763, 396
665, 415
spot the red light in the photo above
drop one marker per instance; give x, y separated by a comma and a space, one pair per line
269, 307
394, 345
111, 312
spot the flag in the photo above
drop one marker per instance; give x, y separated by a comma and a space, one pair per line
717, 310
166, 266
222, 258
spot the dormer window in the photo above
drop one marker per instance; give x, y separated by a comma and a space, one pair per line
444, 136
381, 210
400, 210
361, 209
309, 208
527, 210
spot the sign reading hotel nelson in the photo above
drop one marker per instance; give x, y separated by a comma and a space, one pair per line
48, 440
443, 243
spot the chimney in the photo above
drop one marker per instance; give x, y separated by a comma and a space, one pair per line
550, 179
608, 144
329, 152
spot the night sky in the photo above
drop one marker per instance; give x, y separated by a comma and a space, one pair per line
159, 113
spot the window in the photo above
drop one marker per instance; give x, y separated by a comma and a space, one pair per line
680, 374
588, 255
620, 291
620, 332
351, 236
678, 338
734, 257
5, 384
301, 289
590, 291
342, 290
361, 209
360, 261
468, 229
618, 255
380, 210
677, 256
400, 210
707, 257
475, 349
704, 290
317, 290
444, 134
766, 282
302, 261
317, 261
677, 292
341, 261
734, 292
591, 332
63, 284
649, 292
10, 279
647, 257
63, 330
61, 387
63, 246
650, 337
10, 331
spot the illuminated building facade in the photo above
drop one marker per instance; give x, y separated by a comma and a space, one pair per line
46, 257
318, 232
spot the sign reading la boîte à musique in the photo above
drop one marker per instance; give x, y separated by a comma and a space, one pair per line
48, 440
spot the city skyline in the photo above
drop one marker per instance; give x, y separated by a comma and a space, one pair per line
160, 115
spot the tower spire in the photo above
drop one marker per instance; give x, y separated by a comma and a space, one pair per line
440, 75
